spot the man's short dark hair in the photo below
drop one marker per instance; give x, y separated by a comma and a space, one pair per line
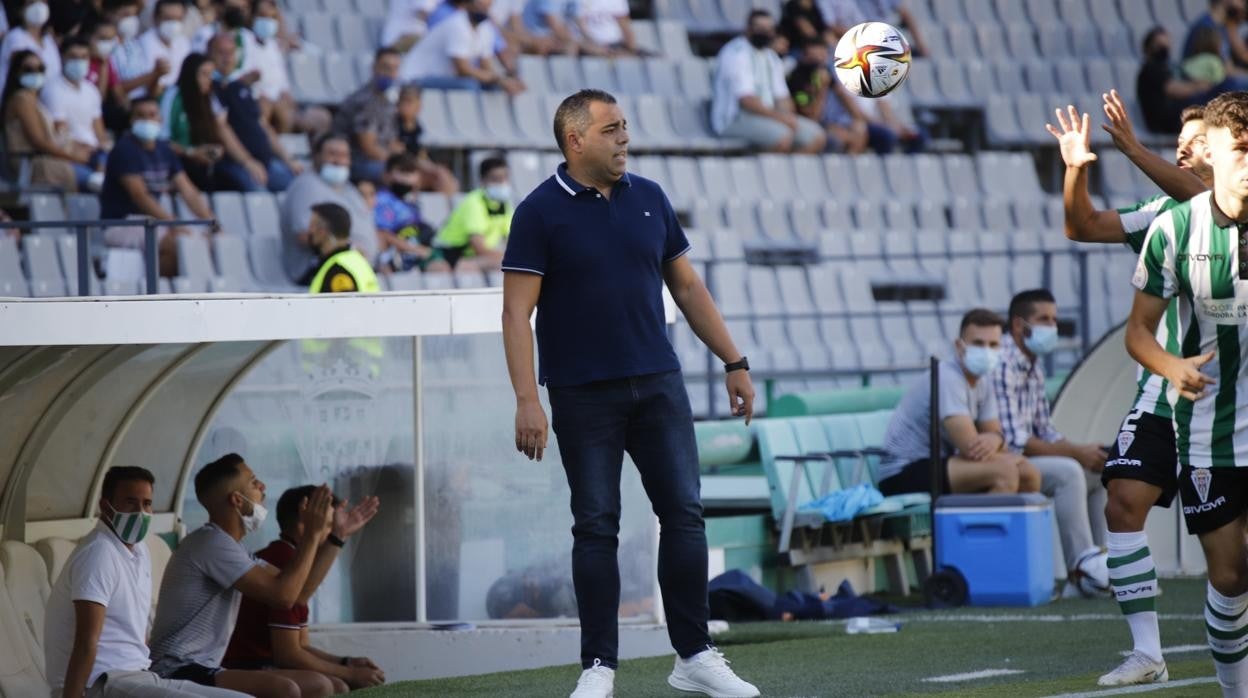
386, 51
1024, 302
124, 473
211, 476
574, 111
73, 42
979, 317
755, 14
1229, 110
490, 164
288, 505
1149, 36
1196, 112
166, 3
402, 162
134, 104
336, 218
319, 145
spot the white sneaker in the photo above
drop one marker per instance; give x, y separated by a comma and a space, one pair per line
707, 673
1136, 668
596, 682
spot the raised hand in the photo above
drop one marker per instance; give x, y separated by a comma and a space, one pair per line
1185, 375
1074, 138
348, 522
1119, 126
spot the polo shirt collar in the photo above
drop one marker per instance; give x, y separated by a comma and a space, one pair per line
107, 531
1220, 219
575, 188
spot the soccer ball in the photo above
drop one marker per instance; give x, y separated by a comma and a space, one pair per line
872, 59
1091, 575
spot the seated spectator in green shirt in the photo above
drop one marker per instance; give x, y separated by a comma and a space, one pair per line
476, 232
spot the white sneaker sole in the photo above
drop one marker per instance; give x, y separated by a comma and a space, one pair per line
1163, 677
682, 684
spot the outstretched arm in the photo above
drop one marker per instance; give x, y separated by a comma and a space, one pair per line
1178, 183
1084, 223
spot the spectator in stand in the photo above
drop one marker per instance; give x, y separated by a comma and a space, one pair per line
475, 235
406, 23
166, 42
406, 238
840, 15
751, 101
812, 85
508, 16
369, 117
141, 169
197, 127
71, 17
28, 128
548, 21
605, 28
1161, 91
801, 22
457, 54
433, 177
95, 629
33, 35
273, 637
135, 75
1226, 17
243, 115
77, 111
266, 55
100, 72
211, 570
328, 181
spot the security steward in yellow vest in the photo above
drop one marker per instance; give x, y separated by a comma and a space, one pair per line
342, 269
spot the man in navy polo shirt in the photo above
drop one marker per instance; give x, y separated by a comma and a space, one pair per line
591, 249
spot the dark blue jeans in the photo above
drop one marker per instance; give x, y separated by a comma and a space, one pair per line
649, 418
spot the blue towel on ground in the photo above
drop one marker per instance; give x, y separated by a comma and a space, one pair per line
844, 505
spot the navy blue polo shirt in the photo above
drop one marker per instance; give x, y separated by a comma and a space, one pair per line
600, 311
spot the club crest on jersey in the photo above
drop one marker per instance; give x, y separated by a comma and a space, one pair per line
1125, 439
1141, 276
1201, 478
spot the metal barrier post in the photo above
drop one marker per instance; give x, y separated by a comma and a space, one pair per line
151, 257
84, 260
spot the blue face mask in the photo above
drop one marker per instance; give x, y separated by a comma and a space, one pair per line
1043, 339
146, 130
383, 83
265, 28
76, 69
335, 174
979, 361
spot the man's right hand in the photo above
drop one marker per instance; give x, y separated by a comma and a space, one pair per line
531, 429
365, 677
1119, 127
317, 512
787, 119
1185, 375
1074, 140
1091, 457
162, 67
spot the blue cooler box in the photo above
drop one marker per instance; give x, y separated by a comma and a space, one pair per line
1002, 545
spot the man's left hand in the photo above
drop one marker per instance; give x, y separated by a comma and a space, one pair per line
362, 662
740, 394
1119, 126
984, 445
347, 523
1091, 457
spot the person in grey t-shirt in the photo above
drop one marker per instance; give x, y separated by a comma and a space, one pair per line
972, 448
211, 571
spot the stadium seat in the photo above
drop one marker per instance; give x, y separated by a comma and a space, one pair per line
921, 85
231, 213
706, 18
195, 263
229, 252
1020, 39
47, 207
1053, 38
565, 74
1100, 76
804, 220
948, 11
67, 252
962, 41
1039, 76
842, 178
1070, 76
646, 34
1116, 41
533, 72
371, 8
996, 215
662, 77
988, 36
265, 254
964, 215
439, 127
340, 76
20, 675
655, 124
1168, 13
809, 178
26, 582
354, 33
42, 265
82, 207
1075, 12
980, 82
318, 30
262, 213
307, 79
464, 111
867, 169
695, 79
499, 123
597, 72
902, 180
630, 76
1084, 41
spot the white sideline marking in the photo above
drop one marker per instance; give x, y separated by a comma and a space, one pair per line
1177, 649
1051, 618
972, 675
1144, 688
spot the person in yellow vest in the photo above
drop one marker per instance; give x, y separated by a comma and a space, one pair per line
476, 232
342, 269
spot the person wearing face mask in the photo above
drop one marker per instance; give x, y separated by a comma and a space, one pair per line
407, 237
370, 115
165, 45
475, 234
266, 54
34, 34
327, 181
96, 622
433, 176
1162, 91
29, 131
750, 100
340, 269
1226, 19
136, 75
1070, 473
78, 111
459, 54
103, 43
211, 571
972, 444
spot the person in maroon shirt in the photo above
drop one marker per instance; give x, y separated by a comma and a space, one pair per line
273, 638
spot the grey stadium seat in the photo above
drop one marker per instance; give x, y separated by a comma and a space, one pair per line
929, 176
948, 10
653, 122
683, 170
354, 33
230, 254
902, 181
123, 266
12, 280
1053, 38
804, 220
439, 128
1116, 41
1002, 121
231, 213
532, 123
465, 114
533, 72
500, 123
691, 120
195, 262
1021, 40
265, 253
371, 8
695, 78
809, 177
47, 207
526, 171
674, 39
307, 79
746, 175
262, 213
663, 78
43, 265
1009, 77
898, 215
318, 29
1070, 76
67, 251
1074, 12
82, 207
1039, 76
646, 34
435, 208
1084, 41
1100, 75
962, 40
565, 74
980, 81
841, 177
630, 76
597, 72
340, 77
931, 216
992, 44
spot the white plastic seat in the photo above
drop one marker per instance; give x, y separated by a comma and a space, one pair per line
19, 674
26, 582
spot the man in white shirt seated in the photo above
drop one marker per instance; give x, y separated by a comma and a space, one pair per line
751, 100
458, 54
96, 623
606, 28
166, 41
34, 33
76, 108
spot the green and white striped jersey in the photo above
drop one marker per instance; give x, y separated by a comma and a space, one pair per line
1192, 252
1150, 394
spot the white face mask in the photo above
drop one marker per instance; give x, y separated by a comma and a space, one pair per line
104, 47
128, 27
130, 527
36, 15
256, 518
170, 29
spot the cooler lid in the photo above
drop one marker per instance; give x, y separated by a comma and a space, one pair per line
996, 501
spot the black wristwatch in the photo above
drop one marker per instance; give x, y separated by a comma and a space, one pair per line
742, 365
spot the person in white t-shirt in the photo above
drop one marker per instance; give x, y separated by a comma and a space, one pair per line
77, 110
605, 27
96, 621
165, 42
35, 34
458, 54
406, 23
263, 52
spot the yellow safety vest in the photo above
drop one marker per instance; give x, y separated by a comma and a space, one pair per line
356, 265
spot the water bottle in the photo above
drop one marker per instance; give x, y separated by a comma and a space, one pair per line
871, 625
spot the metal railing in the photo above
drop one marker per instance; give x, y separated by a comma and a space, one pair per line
83, 229
769, 377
